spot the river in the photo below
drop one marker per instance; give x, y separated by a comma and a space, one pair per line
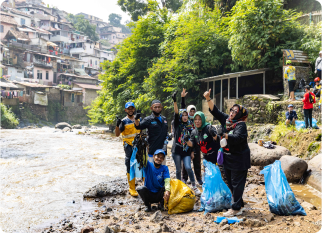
44, 172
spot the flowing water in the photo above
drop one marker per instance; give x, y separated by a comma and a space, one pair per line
43, 172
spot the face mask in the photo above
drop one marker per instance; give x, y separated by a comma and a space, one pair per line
156, 114
190, 117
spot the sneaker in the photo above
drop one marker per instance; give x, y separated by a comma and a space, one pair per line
188, 182
196, 190
200, 182
230, 213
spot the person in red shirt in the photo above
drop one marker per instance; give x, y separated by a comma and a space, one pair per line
308, 101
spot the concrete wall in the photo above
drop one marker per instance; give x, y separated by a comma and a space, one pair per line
74, 115
43, 71
300, 72
88, 60
19, 17
16, 74
89, 96
11, 102
6, 28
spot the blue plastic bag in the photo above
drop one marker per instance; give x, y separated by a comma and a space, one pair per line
301, 124
216, 195
280, 197
230, 220
135, 172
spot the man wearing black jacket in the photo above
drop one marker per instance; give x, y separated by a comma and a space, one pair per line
157, 126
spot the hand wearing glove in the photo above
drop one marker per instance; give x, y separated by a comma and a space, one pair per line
170, 136
219, 130
138, 115
118, 122
186, 137
174, 96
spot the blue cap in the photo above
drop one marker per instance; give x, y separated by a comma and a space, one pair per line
129, 104
290, 105
159, 151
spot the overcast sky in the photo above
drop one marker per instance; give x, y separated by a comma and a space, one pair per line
99, 8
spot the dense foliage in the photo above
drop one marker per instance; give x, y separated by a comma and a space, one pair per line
115, 20
8, 118
84, 26
167, 52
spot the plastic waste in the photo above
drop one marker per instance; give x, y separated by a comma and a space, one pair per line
220, 157
301, 124
182, 198
223, 142
135, 172
280, 197
216, 195
230, 220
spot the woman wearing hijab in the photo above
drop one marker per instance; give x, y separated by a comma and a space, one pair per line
182, 126
205, 137
236, 152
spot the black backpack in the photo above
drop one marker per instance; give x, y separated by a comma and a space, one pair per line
311, 99
302, 84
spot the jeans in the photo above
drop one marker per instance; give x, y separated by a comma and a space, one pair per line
187, 164
236, 182
149, 197
128, 153
308, 117
196, 167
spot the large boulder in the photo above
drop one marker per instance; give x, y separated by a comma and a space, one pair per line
293, 167
62, 125
315, 179
260, 156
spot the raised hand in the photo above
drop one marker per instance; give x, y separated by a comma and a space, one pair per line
138, 115
174, 96
184, 93
118, 122
207, 94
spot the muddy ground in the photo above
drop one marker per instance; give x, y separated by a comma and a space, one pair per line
117, 211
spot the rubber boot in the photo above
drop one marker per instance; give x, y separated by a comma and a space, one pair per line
132, 190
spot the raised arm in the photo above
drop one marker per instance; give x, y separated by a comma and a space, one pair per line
220, 116
175, 105
183, 96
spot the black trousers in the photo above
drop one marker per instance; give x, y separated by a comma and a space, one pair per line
128, 153
236, 182
196, 167
308, 117
319, 74
149, 197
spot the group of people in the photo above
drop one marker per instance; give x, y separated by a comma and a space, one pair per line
309, 97
192, 135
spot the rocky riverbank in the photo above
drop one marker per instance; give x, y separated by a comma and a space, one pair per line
117, 211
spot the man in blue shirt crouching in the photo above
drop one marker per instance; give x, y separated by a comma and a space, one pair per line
156, 187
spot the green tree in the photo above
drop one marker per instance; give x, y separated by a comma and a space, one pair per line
123, 78
138, 8
115, 19
105, 42
83, 25
8, 118
259, 30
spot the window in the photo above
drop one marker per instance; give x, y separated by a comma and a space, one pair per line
95, 62
78, 98
22, 21
1, 28
82, 66
47, 75
73, 97
39, 74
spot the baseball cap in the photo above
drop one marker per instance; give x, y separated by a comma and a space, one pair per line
290, 105
129, 104
159, 151
307, 87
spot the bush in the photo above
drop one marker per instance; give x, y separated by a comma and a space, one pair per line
8, 118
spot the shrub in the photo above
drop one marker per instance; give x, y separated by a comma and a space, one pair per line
8, 118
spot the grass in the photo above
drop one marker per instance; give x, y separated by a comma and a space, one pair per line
8, 118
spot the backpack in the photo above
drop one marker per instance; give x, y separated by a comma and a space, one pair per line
311, 99
302, 84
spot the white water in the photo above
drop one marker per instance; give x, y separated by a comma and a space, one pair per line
42, 172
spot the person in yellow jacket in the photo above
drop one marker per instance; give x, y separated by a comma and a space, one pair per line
125, 127
289, 74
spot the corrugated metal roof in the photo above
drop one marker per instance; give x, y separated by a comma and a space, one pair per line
89, 86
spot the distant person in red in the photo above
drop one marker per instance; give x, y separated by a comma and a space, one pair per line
308, 101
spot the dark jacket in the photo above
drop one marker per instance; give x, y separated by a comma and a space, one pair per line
177, 148
238, 156
291, 115
157, 131
208, 146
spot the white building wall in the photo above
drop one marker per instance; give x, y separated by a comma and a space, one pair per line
15, 74
19, 17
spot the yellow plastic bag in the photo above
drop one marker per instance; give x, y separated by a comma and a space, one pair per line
182, 198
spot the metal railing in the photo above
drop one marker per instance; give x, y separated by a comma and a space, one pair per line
43, 63
36, 48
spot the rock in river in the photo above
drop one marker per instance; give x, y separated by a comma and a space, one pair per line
293, 167
260, 156
77, 127
315, 165
109, 188
62, 125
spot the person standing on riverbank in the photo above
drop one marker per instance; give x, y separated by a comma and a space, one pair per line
308, 101
181, 152
156, 187
157, 127
289, 74
126, 128
236, 151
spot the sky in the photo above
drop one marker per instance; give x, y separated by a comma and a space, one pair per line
99, 8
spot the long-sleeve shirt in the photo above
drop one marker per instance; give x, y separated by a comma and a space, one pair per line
318, 63
156, 178
291, 115
306, 101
